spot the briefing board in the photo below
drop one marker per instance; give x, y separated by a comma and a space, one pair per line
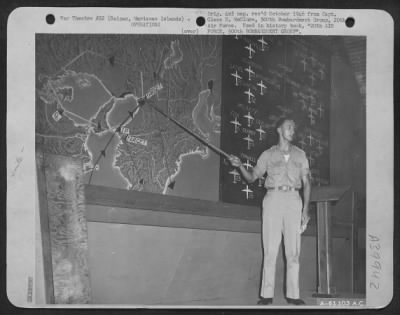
263, 79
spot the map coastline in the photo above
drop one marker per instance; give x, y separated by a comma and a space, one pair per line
182, 157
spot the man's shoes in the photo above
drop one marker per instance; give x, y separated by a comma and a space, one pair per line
295, 301
264, 301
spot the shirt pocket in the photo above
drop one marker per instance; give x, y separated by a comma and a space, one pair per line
276, 168
294, 170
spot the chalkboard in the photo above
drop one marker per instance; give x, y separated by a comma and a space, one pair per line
263, 79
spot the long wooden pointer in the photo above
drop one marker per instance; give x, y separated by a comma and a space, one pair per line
205, 142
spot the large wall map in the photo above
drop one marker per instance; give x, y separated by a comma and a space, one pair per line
265, 78
229, 90
88, 91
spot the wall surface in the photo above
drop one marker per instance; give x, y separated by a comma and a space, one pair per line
158, 266
347, 135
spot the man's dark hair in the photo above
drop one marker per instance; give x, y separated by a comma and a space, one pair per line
281, 120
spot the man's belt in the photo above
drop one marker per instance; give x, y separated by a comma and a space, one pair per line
284, 188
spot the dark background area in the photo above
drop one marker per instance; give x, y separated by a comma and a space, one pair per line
301, 91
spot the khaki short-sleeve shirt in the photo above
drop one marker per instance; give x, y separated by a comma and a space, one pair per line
279, 171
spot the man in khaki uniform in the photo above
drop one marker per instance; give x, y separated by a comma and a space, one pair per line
284, 213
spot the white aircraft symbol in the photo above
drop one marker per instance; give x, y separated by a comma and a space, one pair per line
248, 192
261, 132
311, 115
247, 165
249, 119
236, 124
322, 73
236, 176
251, 51
250, 142
262, 87
263, 42
304, 62
237, 77
250, 72
310, 138
320, 109
249, 94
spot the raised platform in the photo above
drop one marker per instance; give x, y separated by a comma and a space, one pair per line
110, 205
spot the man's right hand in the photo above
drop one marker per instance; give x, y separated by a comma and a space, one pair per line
235, 161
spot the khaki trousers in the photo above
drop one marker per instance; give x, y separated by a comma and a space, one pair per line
281, 215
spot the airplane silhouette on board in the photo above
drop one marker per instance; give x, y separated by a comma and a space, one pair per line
251, 51
249, 119
261, 132
249, 94
236, 176
237, 77
263, 43
236, 123
250, 72
249, 192
262, 87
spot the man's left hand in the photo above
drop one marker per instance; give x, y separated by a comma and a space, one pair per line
304, 220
